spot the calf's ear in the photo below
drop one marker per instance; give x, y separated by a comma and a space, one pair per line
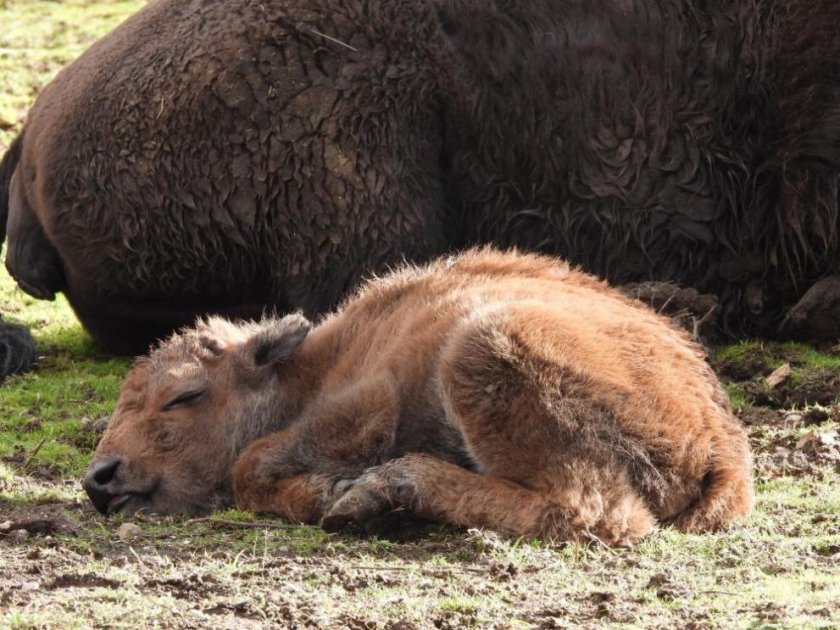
275, 342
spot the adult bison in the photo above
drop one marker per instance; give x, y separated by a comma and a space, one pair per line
224, 156
488, 390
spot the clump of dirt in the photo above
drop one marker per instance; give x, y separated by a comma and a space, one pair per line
759, 416
21, 459
809, 387
750, 364
86, 580
687, 308
22, 521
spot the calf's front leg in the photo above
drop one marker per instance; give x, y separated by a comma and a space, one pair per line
298, 472
441, 491
269, 477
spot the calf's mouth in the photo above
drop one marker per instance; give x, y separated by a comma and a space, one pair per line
109, 494
127, 502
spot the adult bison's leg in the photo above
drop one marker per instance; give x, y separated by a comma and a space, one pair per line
688, 308
128, 325
31, 260
816, 316
298, 472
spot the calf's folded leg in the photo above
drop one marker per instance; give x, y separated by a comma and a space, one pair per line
438, 490
266, 478
294, 472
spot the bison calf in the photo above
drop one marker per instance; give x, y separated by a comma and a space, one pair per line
494, 390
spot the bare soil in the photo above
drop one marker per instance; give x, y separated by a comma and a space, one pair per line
62, 564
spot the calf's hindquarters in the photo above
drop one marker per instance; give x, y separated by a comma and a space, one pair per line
553, 459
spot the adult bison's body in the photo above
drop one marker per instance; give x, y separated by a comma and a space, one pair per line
212, 156
487, 390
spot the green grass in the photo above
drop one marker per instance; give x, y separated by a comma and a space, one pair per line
37, 38
42, 411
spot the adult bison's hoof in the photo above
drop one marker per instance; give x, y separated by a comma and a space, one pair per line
17, 349
817, 314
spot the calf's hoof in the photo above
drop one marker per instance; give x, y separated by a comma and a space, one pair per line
367, 505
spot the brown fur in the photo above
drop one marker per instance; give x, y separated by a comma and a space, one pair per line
496, 390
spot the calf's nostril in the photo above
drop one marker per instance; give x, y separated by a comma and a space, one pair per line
104, 473
96, 483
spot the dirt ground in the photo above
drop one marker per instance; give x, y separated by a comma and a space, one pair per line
62, 565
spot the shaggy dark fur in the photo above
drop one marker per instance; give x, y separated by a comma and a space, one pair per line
17, 349
228, 156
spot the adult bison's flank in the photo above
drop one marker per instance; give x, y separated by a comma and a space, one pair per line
489, 390
221, 156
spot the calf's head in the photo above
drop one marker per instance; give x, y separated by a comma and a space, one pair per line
186, 411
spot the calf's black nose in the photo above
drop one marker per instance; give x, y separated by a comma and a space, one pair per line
96, 482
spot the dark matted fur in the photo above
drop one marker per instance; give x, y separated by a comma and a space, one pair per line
224, 156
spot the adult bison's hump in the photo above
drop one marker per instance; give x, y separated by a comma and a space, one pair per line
213, 149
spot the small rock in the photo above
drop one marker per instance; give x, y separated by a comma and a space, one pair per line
657, 580
778, 376
806, 440
95, 426
6, 526
129, 531
793, 418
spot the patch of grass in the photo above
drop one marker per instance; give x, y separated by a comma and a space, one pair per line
737, 396
738, 351
463, 604
37, 38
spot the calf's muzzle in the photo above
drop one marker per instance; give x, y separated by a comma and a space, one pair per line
97, 480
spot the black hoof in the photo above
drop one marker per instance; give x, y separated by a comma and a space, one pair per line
17, 349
